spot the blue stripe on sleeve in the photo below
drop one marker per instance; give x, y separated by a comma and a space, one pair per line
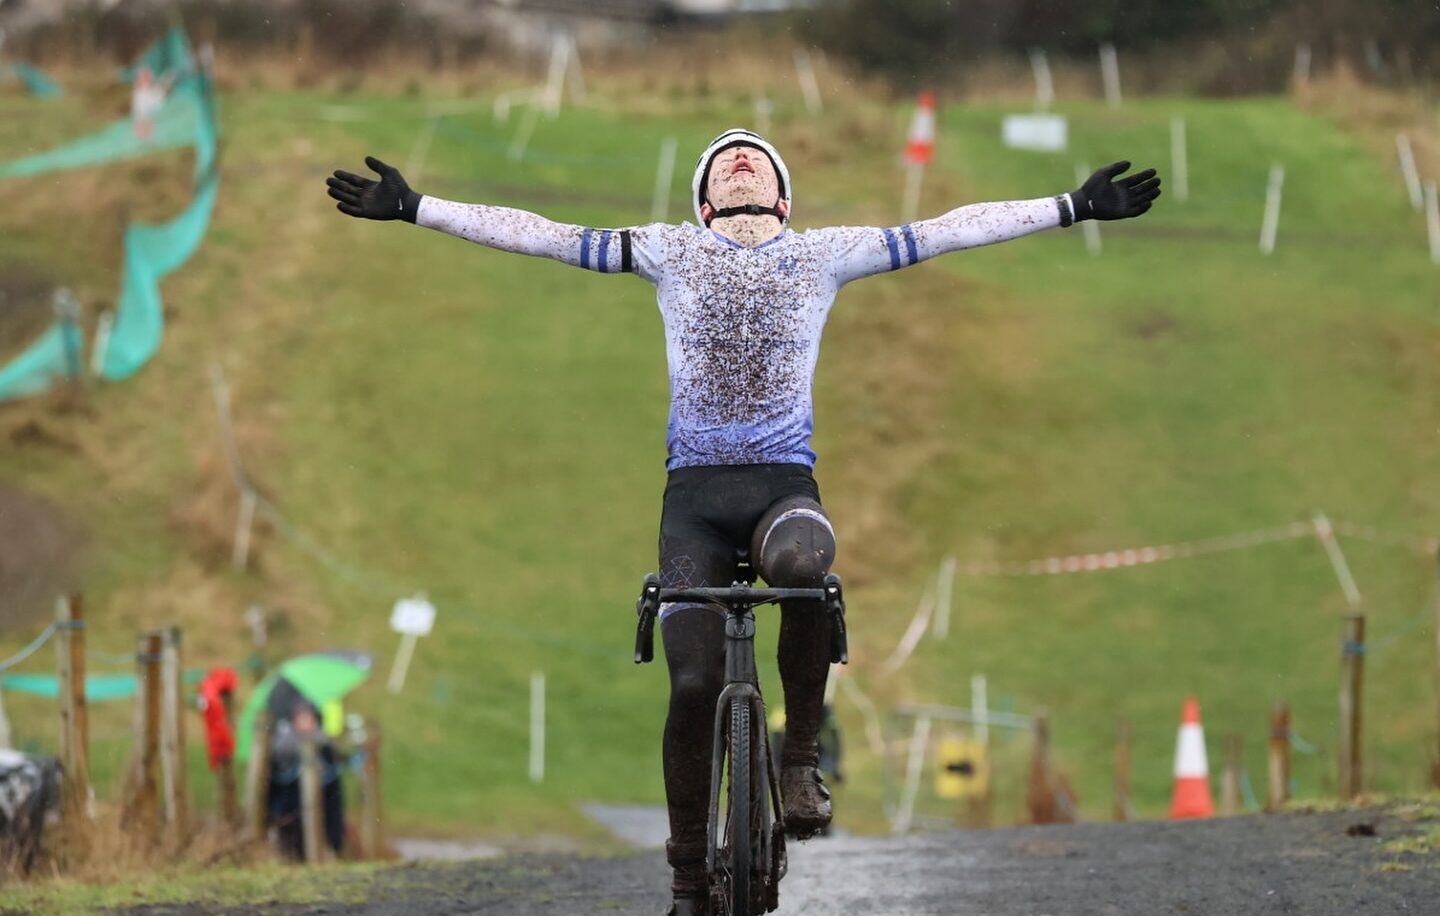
604, 265
585, 249
894, 249
909, 234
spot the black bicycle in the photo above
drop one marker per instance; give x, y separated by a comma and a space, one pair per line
746, 865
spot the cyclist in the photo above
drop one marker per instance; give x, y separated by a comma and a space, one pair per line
744, 300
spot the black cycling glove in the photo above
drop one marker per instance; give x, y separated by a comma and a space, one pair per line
1102, 197
388, 198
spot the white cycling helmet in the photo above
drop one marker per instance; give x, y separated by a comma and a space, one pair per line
736, 136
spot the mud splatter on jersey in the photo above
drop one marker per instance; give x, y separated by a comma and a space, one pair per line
742, 325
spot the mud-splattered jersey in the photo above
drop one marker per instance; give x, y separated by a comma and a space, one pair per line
742, 325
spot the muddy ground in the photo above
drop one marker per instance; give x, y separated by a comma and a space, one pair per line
39, 557
1317, 864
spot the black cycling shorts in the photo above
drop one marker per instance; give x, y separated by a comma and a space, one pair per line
710, 513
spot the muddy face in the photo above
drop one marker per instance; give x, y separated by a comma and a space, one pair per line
742, 175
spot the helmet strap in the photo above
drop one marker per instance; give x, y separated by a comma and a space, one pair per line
749, 210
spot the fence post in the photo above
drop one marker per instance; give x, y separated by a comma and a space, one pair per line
372, 834
1230, 779
1123, 810
259, 637
229, 808
143, 802
1435, 766
1043, 794
4, 724
74, 719
172, 734
1279, 755
919, 741
311, 810
257, 778
1352, 661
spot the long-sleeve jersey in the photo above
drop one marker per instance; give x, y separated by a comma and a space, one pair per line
742, 325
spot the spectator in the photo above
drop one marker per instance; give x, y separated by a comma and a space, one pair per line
283, 805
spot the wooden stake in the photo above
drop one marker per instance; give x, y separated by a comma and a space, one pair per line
257, 778
919, 741
1230, 779
809, 85
1044, 84
1406, 154
4, 724
1279, 756
537, 726
1179, 158
225, 775
311, 810
142, 808
402, 662
664, 179
259, 637
68, 314
172, 736
1435, 766
1300, 75
74, 721
1123, 809
910, 200
1271, 224
1110, 74
1090, 229
1040, 795
244, 520
372, 833
1352, 662
1432, 219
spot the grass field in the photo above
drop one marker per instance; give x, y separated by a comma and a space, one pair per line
489, 429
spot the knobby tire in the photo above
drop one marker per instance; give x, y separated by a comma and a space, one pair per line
737, 822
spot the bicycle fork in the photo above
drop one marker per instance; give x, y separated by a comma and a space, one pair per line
742, 686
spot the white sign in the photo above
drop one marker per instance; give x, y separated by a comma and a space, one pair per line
1044, 132
413, 617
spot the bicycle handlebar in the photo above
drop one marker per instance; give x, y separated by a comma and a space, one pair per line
738, 597
742, 595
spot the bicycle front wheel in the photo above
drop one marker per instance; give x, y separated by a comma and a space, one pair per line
738, 840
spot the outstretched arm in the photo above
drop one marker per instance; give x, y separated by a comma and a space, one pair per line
870, 251
502, 228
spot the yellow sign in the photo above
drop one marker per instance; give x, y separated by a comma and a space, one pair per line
961, 769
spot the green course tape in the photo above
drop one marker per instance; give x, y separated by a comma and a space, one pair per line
98, 687
36, 83
54, 356
150, 251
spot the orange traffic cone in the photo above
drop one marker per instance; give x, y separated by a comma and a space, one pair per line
920, 142
1191, 797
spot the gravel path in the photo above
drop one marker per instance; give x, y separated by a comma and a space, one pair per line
1328, 864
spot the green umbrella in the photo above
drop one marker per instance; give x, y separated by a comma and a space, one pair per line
319, 678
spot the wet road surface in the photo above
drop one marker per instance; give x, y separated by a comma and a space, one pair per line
1329, 864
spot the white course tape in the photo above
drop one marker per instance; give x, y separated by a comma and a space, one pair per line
1142, 556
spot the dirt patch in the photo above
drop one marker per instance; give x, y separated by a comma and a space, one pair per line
40, 553
1154, 323
24, 308
1375, 115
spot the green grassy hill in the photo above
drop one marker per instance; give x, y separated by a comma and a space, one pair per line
489, 429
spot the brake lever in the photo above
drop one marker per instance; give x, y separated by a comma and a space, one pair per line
647, 608
835, 604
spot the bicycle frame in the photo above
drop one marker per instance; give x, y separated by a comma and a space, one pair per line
742, 685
